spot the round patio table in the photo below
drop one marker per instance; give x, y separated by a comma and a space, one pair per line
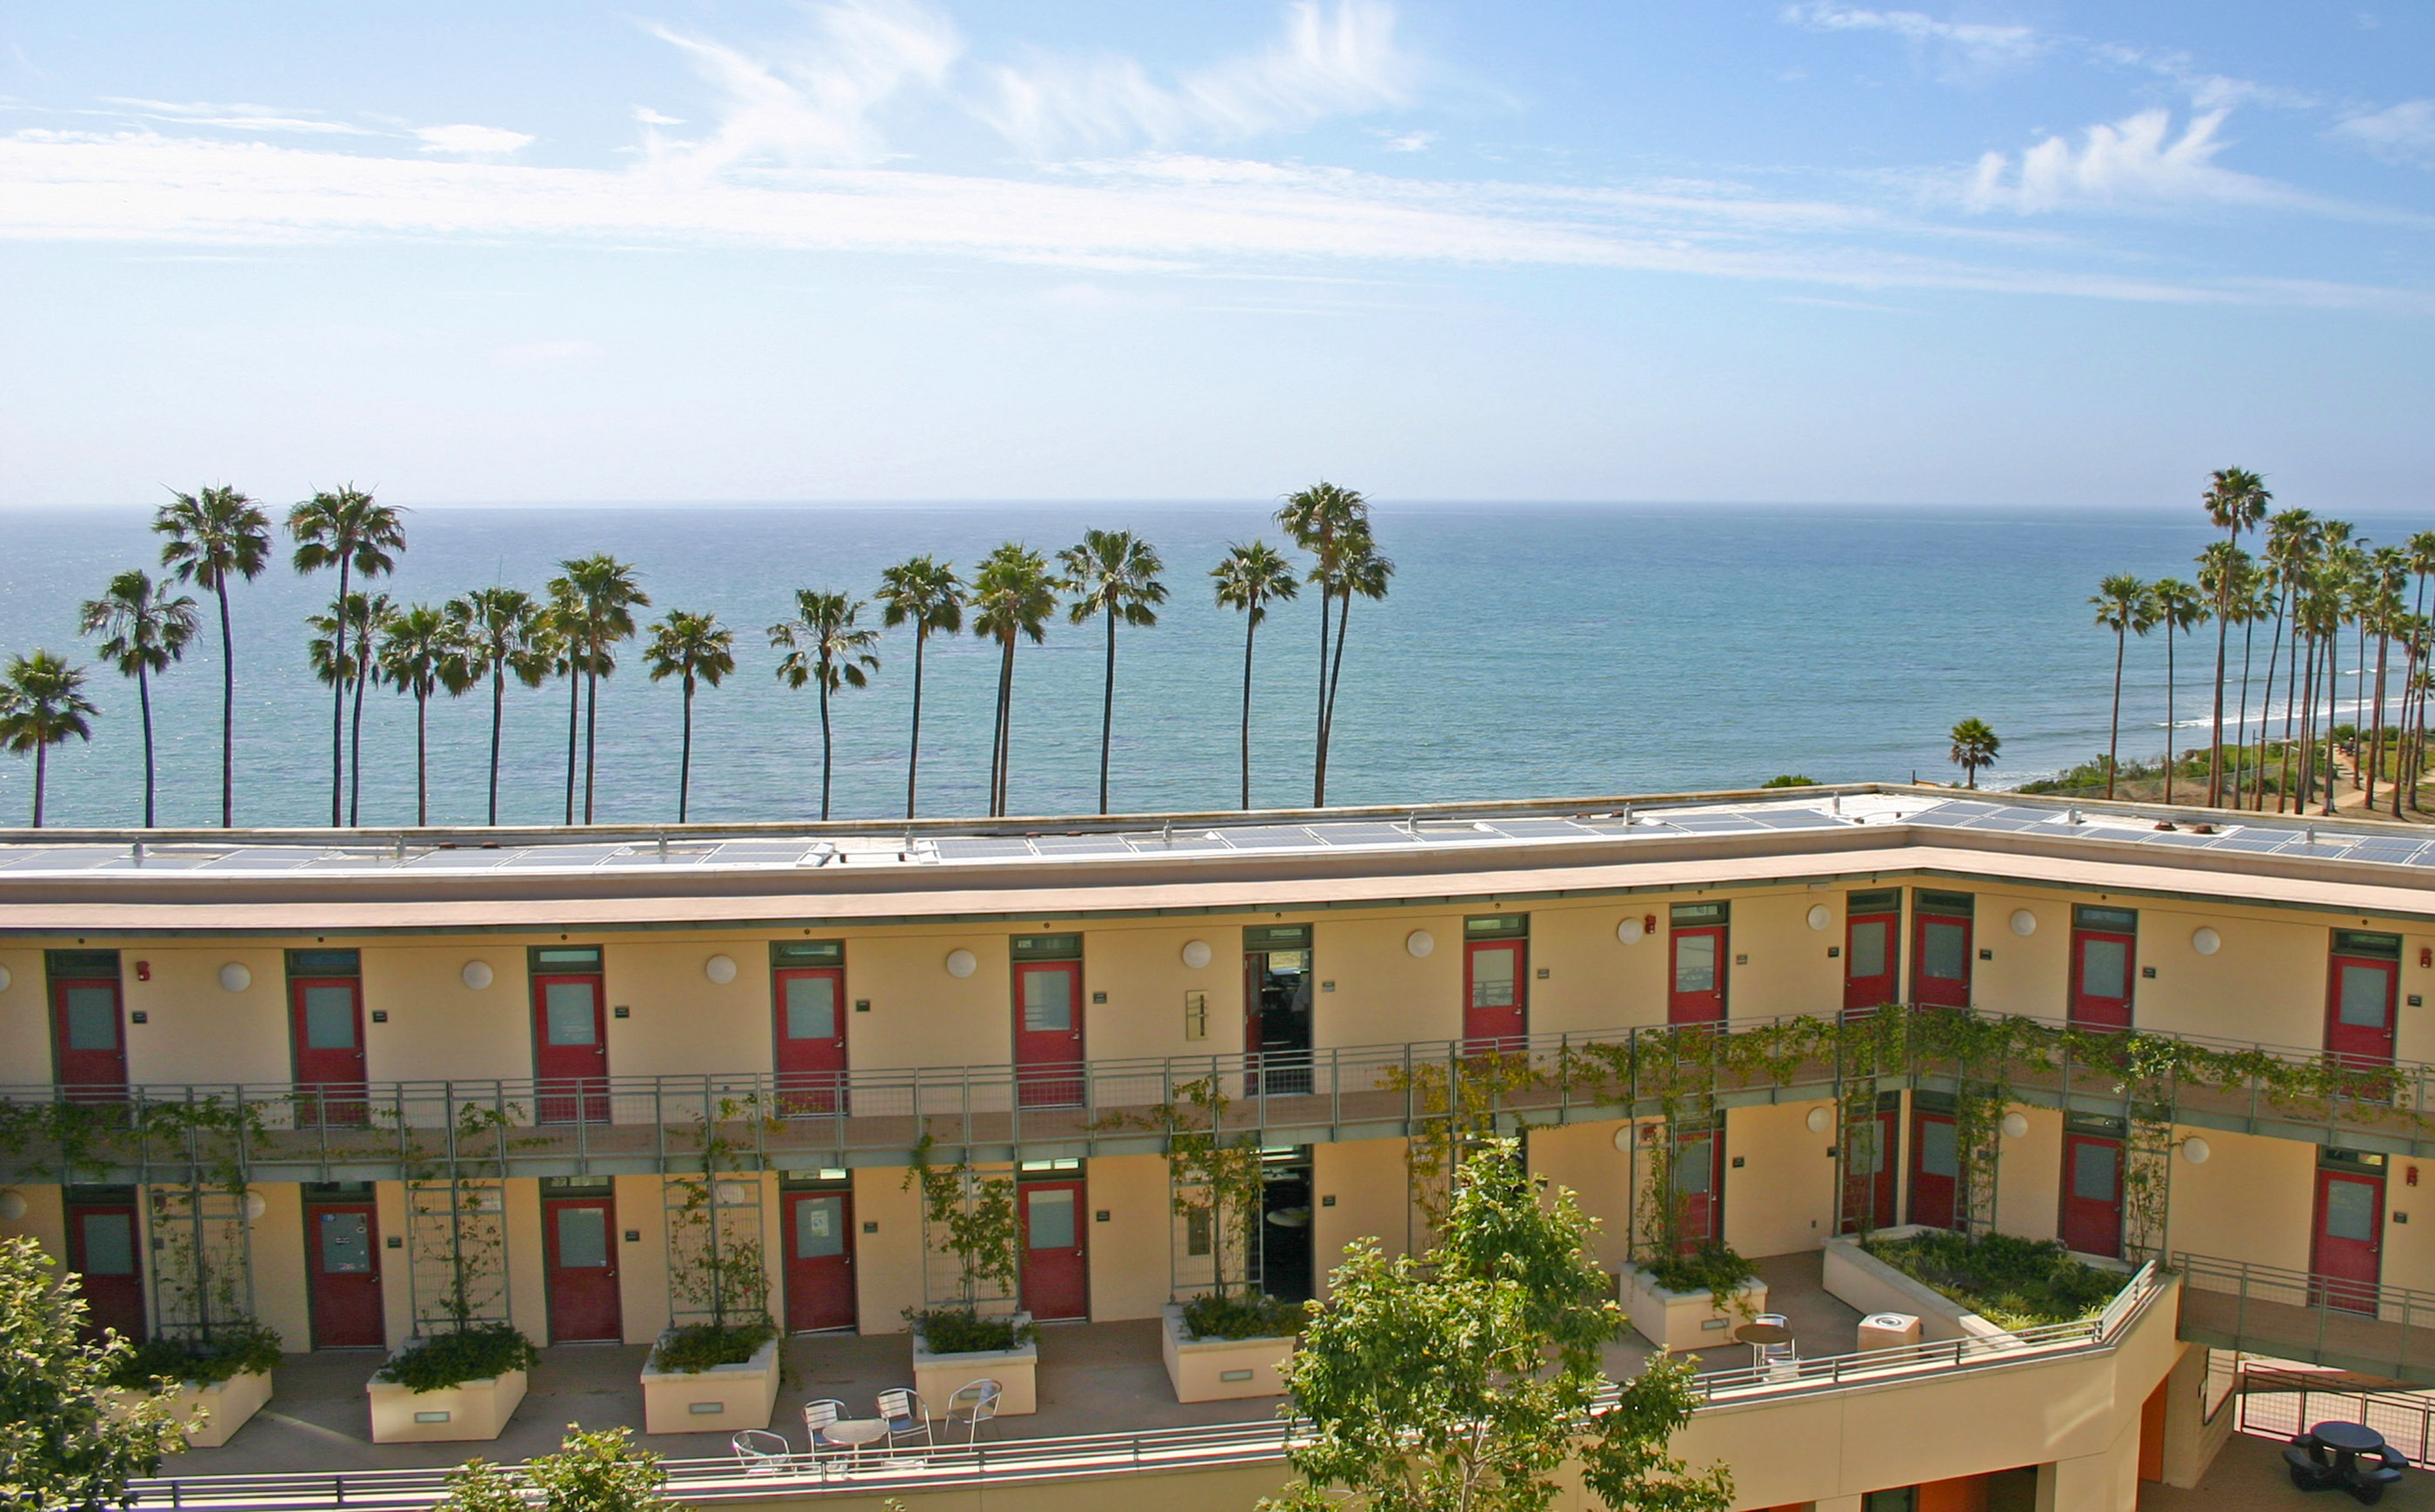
2348, 1440
856, 1432
1759, 1336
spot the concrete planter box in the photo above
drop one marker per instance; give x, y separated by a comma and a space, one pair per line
723, 1399
227, 1405
1219, 1369
468, 1411
938, 1377
1860, 1279
1686, 1320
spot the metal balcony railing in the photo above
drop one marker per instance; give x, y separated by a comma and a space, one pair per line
2385, 1332
2283, 1404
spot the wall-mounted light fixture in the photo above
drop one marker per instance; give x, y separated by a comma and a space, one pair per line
2015, 1126
1420, 942
2024, 922
719, 968
478, 975
962, 963
2206, 941
1819, 916
1196, 954
235, 977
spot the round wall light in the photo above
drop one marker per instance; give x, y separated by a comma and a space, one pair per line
255, 1205
719, 968
12, 1206
235, 977
1630, 931
1622, 1140
1821, 916
962, 963
2015, 1125
1196, 954
733, 1194
2206, 941
2196, 1150
4, 979
1820, 1120
478, 975
2024, 922
1420, 942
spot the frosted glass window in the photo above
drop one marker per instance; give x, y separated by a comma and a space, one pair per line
571, 1013
346, 1244
1491, 978
2350, 1211
2104, 969
1695, 1168
582, 1238
1869, 948
329, 1018
93, 1017
1940, 1152
1052, 1219
108, 1244
2094, 1172
811, 1007
1047, 1001
1695, 963
2365, 996
820, 1228
1945, 952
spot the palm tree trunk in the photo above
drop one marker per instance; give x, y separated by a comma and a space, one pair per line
591, 725
2375, 745
2222, 630
228, 713
338, 695
498, 714
422, 760
684, 761
2168, 710
2240, 770
1004, 745
2333, 703
2291, 700
824, 748
574, 719
356, 742
913, 753
1335, 681
2266, 704
2114, 729
1107, 710
1319, 736
1251, 629
2306, 681
143, 698
42, 769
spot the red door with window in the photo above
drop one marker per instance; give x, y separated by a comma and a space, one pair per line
1700, 1188
2349, 1251
2359, 1010
1935, 1169
1696, 993
326, 1027
1494, 999
1870, 1177
1870, 959
571, 1049
91, 1035
342, 1268
2100, 978
1941, 960
2092, 1194
578, 1235
811, 1040
820, 1262
102, 1252
1056, 1270
1048, 1033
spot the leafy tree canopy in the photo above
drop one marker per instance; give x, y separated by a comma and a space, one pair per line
62, 1445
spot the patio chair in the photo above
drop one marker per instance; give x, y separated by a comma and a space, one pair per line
906, 1414
974, 1403
763, 1452
818, 1417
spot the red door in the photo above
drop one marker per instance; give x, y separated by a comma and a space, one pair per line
342, 1266
2358, 1009
811, 1039
1935, 1169
1493, 995
1870, 959
2350, 1238
1870, 1175
820, 1262
1056, 1272
91, 1037
578, 1235
2092, 1194
2100, 978
101, 1250
571, 1049
1940, 953
1048, 1033
326, 1027
1700, 1188
1697, 992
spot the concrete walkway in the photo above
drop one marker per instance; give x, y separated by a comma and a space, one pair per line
2248, 1476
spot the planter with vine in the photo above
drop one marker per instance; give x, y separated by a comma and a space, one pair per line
716, 1367
1220, 1348
213, 1387
1692, 1301
980, 1330
702, 1380
454, 1387
953, 1349
1960, 1288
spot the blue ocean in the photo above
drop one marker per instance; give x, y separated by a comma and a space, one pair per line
1524, 651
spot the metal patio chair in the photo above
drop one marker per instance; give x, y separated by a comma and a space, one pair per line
763, 1452
974, 1403
906, 1414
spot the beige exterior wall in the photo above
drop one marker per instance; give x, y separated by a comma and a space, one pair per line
1779, 1180
44, 1220
1582, 1158
1383, 993
917, 1009
2254, 1198
642, 1264
25, 1018
280, 1297
529, 1256
888, 1261
1130, 1255
680, 1021
440, 1029
396, 1271
198, 1031
2028, 1178
1373, 1193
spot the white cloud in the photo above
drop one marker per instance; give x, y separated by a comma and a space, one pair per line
812, 105
2398, 133
651, 117
1411, 141
2133, 163
471, 141
547, 354
1962, 48
236, 117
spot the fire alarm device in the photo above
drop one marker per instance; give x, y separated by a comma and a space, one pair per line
143, 971
2426, 955
2409, 1176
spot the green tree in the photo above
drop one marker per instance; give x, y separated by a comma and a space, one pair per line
595, 600
415, 648
367, 616
2122, 606
348, 530
1013, 598
2234, 502
1250, 579
213, 534
2176, 608
64, 1443
1114, 573
43, 705
1975, 746
826, 648
695, 648
599, 1471
925, 593
144, 630
500, 632
1466, 1379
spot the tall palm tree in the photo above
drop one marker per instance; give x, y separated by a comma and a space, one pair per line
414, 650
2382, 613
2235, 500
2290, 545
43, 705
2251, 605
1013, 598
2122, 606
211, 534
927, 594
1250, 579
1363, 574
694, 648
825, 647
365, 614
1114, 573
2223, 568
344, 529
1318, 519
1975, 746
2178, 608
501, 632
599, 594
146, 631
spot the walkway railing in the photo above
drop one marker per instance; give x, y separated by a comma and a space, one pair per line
2294, 1315
2283, 1404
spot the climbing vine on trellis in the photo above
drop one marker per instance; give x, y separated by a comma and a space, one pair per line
1458, 1106
1214, 1186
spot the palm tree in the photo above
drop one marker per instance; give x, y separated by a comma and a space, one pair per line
2223, 570
415, 648
2382, 613
2235, 500
367, 614
1363, 575
2291, 544
500, 631
2251, 605
2177, 608
211, 534
598, 597
928, 594
1114, 572
146, 631
1013, 597
348, 532
1975, 746
694, 648
1249, 580
2122, 606
825, 647
1318, 519
41, 704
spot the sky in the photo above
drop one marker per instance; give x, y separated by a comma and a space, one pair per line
474, 250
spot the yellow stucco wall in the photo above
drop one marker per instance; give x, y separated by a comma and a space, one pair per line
1780, 1198
1373, 1193
280, 1290
887, 1262
1130, 1254
2028, 1178
2254, 1198
439, 1028
1582, 1158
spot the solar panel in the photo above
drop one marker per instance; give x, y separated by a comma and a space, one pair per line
1797, 819
1082, 845
1362, 833
566, 856
67, 858
1545, 828
981, 848
1269, 837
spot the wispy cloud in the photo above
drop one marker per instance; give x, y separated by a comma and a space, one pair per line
237, 117
471, 141
2138, 162
813, 102
2398, 133
1957, 49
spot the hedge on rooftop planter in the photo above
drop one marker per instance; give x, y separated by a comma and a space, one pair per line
451, 1387
953, 1347
1692, 1301
227, 1377
1220, 1349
